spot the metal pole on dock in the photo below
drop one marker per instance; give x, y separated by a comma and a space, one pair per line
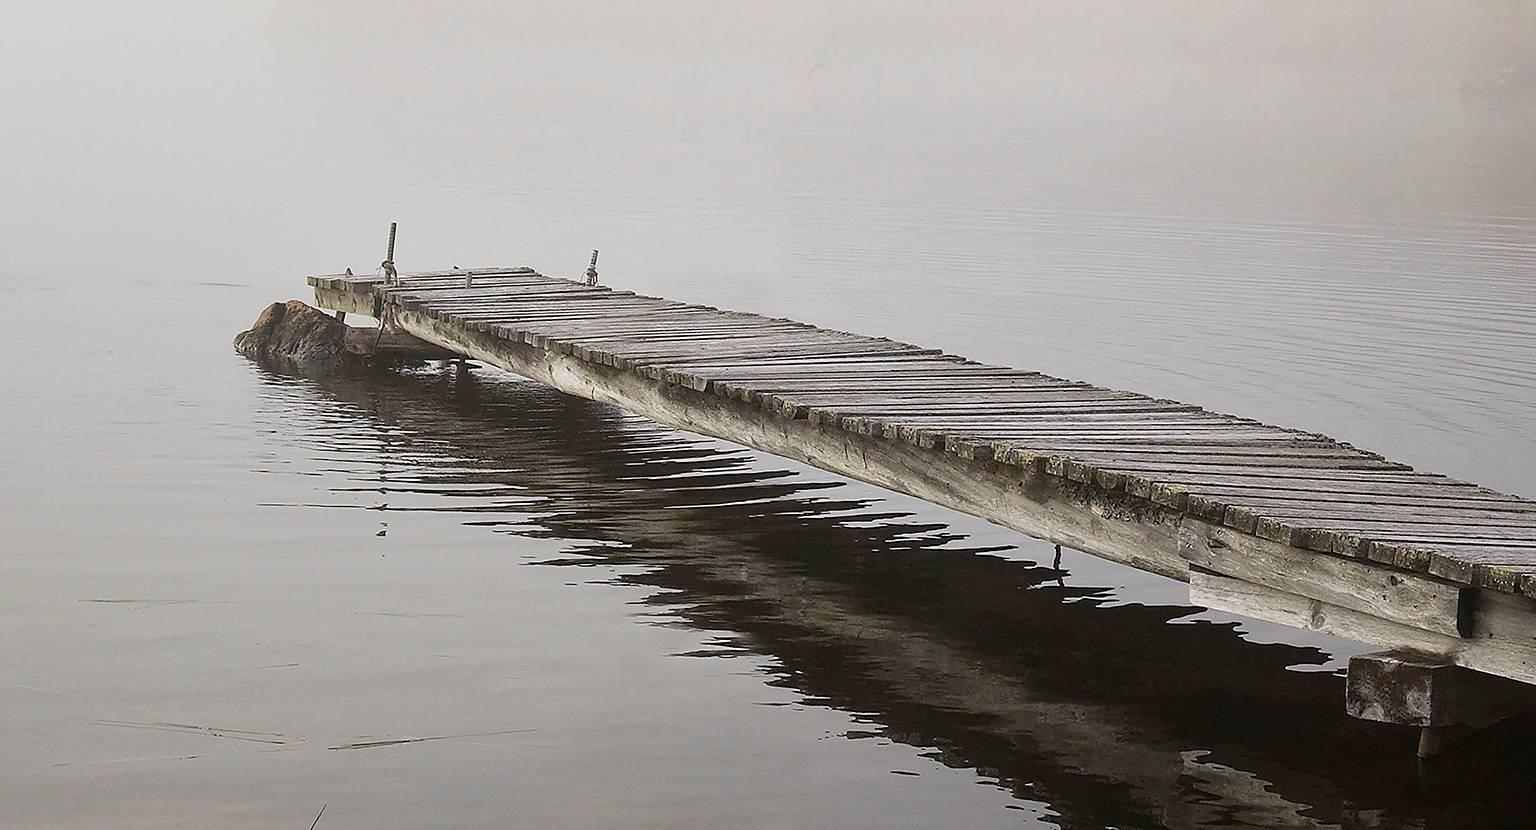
390, 275
592, 269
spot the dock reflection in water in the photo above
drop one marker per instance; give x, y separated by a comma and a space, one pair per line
980, 658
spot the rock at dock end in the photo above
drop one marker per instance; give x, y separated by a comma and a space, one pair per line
298, 335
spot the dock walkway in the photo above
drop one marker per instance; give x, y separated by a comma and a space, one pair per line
1279, 524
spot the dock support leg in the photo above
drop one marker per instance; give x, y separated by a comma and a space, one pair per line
1429, 740
1428, 692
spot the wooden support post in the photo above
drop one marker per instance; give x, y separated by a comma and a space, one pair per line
1429, 740
1422, 690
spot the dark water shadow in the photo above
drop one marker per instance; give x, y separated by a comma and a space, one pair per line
1104, 711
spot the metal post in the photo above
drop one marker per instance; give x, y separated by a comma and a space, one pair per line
592, 269
390, 275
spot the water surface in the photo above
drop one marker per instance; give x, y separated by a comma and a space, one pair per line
233, 596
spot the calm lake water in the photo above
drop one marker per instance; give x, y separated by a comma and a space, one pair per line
229, 597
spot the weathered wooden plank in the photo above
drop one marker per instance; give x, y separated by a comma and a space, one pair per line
573, 312
493, 296
981, 389
767, 344
1401, 597
539, 298
725, 344
1243, 496
865, 355
918, 387
1313, 466
1175, 449
982, 408
923, 391
937, 362
660, 365
640, 336
484, 287
509, 270
1421, 527
512, 323
1071, 426
1106, 434
1383, 474
679, 330
572, 322
701, 339
964, 441
457, 283
1499, 656
956, 397
555, 305
1194, 481
1430, 511
1221, 443
928, 368
1105, 431
1496, 565
1298, 504
375, 282
1023, 423
1445, 538
342, 283
983, 381
1004, 410
1022, 430
799, 406
534, 296
1046, 422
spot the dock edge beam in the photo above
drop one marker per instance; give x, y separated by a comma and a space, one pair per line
1421, 690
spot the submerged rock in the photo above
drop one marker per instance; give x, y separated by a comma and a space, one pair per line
298, 338
297, 335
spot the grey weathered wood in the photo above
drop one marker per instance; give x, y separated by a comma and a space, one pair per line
1318, 521
1414, 690
365, 341
1293, 505
1502, 657
941, 478
1406, 598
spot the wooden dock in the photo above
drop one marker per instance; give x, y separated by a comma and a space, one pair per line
1272, 523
